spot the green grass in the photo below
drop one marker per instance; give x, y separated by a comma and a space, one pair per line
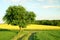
36, 35
46, 35
7, 34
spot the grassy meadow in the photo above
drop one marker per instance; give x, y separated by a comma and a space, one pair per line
31, 32
7, 34
46, 35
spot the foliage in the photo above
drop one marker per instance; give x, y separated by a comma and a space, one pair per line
4, 30
48, 22
17, 15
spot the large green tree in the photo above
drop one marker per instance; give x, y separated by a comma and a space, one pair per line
17, 15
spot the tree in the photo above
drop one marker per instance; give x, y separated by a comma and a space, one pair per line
17, 15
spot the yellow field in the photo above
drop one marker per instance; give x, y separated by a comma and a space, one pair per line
32, 26
42, 27
6, 26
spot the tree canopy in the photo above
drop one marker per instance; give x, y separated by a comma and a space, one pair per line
18, 15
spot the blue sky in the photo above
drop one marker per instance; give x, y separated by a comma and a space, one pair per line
44, 9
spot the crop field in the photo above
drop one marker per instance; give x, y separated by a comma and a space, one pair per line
6, 26
30, 33
32, 26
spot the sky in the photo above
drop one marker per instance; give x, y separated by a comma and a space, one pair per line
44, 9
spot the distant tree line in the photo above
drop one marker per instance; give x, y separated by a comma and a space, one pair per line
48, 22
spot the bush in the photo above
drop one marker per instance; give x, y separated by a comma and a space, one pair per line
48, 22
4, 30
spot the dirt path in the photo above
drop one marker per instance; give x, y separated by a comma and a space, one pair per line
23, 35
20, 34
27, 36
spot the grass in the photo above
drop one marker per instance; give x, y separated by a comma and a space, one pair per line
41, 35
7, 32
20, 35
27, 36
7, 35
46, 35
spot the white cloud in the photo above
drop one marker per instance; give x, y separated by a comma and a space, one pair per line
51, 7
41, 0
52, 1
49, 1
13, 0
17, 1
1, 21
23, 1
